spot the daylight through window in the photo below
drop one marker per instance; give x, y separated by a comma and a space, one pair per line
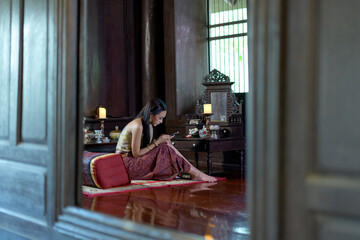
228, 41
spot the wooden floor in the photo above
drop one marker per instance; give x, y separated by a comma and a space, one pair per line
213, 210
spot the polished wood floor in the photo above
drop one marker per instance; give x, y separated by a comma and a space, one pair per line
213, 210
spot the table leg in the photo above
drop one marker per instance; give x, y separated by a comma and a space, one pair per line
196, 159
209, 163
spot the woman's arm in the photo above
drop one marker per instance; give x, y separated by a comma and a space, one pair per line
136, 131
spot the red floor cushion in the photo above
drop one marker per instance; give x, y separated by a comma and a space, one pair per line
104, 170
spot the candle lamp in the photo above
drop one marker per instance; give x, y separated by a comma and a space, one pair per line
207, 123
207, 114
101, 113
207, 108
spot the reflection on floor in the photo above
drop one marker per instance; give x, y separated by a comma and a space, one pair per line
213, 210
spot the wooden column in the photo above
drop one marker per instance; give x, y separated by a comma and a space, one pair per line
149, 85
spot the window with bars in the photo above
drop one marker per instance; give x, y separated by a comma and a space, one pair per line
228, 41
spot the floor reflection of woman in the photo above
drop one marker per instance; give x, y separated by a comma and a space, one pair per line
149, 158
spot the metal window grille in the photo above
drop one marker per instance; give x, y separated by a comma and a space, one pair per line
228, 41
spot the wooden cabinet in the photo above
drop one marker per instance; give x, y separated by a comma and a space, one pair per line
109, 124
210, 145
108, 147
188, 144
234, 129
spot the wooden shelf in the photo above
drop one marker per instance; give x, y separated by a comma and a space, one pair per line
101, 147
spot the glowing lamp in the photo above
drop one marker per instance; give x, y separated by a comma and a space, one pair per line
101, 113
207, 108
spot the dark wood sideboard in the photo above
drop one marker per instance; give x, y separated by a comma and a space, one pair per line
108, 147
109, 125
210, 145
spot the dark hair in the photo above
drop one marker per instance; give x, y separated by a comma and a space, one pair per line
154, 106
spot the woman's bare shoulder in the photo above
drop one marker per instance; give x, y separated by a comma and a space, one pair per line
135, 124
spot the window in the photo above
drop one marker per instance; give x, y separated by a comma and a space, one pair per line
228, 41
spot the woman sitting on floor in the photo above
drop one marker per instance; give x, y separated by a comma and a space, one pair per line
148, 158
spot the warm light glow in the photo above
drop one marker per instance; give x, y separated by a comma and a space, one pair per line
207, 108
101, 112
208, 237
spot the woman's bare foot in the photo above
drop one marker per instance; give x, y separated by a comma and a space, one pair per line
198, 175
204, 177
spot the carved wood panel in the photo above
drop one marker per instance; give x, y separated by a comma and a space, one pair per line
338, 87
23, 188
27, 111
5, 39
34, 79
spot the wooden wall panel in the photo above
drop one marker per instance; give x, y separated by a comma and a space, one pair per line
22, 188
191, 53
333, 195
338, 90
89, 67
336, 228
5, 20
185, 63
110, 56
153, 85
34, 81
113, 88
170, 62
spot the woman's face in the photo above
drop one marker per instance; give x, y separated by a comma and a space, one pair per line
158, 118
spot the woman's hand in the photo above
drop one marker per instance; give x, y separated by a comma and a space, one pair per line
164, 138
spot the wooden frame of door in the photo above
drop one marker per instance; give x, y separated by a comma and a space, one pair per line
70, 219
282, 129
263, 136
264, 117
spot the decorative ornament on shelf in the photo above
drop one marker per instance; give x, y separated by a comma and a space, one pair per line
216, 77
192, 133
115, 134
194, 121
98, 136
203, 132
214, 129
88, 135
218, 93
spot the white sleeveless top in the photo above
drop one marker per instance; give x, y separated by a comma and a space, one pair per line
123, 145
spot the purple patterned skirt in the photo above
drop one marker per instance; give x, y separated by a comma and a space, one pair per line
162, 163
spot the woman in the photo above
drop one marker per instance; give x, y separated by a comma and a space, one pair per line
148, 158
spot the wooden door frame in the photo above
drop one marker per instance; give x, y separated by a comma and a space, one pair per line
263, 137
265, 111
69, 219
